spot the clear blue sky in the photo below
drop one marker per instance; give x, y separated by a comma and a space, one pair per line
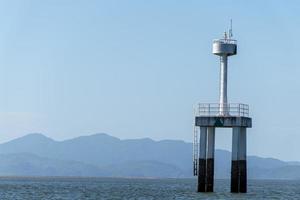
135, 69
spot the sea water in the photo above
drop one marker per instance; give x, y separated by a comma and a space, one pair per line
138, 188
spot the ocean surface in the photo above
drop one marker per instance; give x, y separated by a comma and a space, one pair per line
134, 188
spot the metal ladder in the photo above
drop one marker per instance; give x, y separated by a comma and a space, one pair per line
195, 150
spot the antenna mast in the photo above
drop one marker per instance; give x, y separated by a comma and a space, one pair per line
230, 30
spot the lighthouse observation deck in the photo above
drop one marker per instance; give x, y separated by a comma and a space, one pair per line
224, 46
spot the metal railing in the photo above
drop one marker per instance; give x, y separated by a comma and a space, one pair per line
216, 109
225, 41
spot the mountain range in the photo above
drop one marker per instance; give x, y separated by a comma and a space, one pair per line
101, 155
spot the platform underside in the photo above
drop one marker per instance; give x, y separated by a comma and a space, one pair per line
223, 121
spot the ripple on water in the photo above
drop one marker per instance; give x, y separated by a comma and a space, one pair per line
121, 188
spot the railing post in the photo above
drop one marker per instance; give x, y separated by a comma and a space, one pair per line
243, 110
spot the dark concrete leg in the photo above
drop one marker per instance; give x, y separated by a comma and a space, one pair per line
202, 160
202, 176
234, 177
210, 175
234, 188
239, 163
243, 176
242, 161
210, 159
206, 160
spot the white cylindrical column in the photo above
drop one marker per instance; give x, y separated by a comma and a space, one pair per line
203, 142
235, 143
210, 142
242, 144
223, 85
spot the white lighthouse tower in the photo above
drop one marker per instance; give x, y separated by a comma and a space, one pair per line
210, 116
224, 48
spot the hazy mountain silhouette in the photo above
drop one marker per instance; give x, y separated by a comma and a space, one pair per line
104, 155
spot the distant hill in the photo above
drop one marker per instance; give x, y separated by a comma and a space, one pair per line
25, 164
104, 155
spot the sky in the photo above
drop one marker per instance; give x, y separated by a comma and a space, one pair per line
136, 68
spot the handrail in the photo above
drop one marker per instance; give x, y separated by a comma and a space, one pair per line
216, 109
225, 41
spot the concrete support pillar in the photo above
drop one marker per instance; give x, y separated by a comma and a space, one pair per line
239, 165
202, 160
210, 159
206, 159
234, 160
243, 160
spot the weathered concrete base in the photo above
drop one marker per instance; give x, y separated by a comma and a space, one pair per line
239, 163
206, 175
202, 175
206, 160
234, 186
210, 175
206, 154
239, 176
243, 176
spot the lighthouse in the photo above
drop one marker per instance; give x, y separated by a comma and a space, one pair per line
209, 116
